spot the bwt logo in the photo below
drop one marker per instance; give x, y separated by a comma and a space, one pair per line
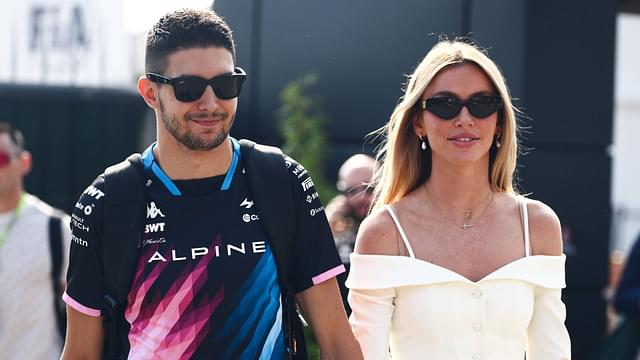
152, 228
153, 211
94, 192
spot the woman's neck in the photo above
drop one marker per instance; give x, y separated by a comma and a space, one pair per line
462, 187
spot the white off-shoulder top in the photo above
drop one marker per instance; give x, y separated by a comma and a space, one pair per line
407, 308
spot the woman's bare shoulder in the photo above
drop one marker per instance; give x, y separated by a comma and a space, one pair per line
377, 234
544, 228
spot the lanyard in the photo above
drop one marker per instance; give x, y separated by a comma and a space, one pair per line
12, 221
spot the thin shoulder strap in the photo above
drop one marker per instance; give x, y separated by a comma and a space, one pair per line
524, 215
394, 216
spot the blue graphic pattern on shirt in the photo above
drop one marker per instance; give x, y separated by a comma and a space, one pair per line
259, 312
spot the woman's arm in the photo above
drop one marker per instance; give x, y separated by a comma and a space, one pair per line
627, 298
548, 338
372, 309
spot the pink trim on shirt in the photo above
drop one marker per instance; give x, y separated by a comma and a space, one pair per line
79, 307
328, 274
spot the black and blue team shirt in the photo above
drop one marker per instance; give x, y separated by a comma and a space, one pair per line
206, 284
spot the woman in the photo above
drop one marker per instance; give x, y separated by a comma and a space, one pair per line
453, 263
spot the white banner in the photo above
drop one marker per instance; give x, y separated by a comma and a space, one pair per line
64, 42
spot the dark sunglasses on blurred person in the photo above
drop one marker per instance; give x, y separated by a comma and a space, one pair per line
5, 158
190, 88
355, 190
448, 107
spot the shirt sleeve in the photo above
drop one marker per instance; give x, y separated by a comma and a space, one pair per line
627, 297
315, 257
85, 285
548, 338
371, 313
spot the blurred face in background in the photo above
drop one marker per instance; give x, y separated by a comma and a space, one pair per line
14, 165
358, 195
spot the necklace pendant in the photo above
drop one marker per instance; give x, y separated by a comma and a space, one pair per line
465, 226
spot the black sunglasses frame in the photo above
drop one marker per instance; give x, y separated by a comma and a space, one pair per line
199, 85
480, 106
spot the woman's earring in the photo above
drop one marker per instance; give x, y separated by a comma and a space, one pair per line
423, 145
498, 142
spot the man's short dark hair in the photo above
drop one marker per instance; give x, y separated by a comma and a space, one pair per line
14, 134
185, 29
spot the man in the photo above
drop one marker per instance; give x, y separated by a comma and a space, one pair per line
347, 210
205, 286
28, 319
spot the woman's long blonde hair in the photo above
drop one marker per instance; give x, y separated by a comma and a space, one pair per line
403, 166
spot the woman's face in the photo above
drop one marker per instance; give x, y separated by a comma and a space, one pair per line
465, 138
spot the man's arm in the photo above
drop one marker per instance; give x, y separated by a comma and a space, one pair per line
322, 306
85, 336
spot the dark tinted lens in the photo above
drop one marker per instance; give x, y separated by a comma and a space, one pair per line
483, 106
445, 107
189, 88
227, 86
5, 159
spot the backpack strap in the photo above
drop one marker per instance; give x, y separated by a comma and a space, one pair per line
276, 202
122, 223
57, 255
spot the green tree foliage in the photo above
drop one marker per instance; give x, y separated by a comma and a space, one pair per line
301, 126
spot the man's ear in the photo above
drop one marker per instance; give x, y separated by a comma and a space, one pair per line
25, 162
149, 92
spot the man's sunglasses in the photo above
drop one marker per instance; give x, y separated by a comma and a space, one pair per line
190, 88
448, 107
5, 158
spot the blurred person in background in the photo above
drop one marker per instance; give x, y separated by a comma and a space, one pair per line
627, 296
347, 210
32, 256
452, 263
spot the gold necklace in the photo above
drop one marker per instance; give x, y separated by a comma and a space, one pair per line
467, 213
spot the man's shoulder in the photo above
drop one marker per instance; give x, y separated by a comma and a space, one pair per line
39, 206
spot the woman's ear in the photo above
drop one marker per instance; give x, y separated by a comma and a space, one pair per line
416, 123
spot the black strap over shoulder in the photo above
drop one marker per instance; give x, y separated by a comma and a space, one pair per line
57, 256
122, 224
271, 187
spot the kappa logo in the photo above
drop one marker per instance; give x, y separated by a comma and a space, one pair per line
307, 184
153, 211
246, 203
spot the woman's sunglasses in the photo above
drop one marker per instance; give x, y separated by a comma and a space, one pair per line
190, 88
448, 107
